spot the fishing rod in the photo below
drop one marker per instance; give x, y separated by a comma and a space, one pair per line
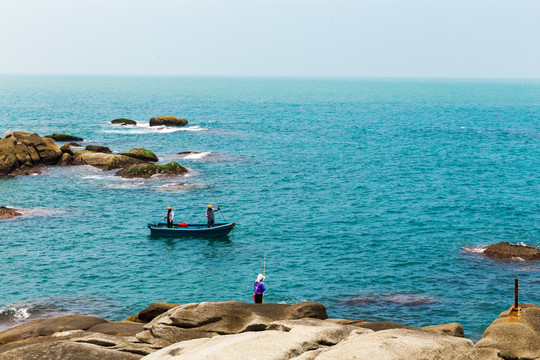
264, 267
207, 184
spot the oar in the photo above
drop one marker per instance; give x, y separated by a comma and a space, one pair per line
264, 273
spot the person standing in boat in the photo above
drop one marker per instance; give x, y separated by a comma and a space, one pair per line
169, 217
210, 212
259, 289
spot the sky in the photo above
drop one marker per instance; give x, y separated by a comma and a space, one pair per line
273, 38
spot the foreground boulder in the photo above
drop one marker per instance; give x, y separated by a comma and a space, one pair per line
155, 309
64, 137
516, 336
204, 320
318, 339
512, 252
141, 154
8, 159
145, 170
166, 120
123, 121
44, 327
8, 213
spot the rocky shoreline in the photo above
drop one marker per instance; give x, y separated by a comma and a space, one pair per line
235, 330
24, 153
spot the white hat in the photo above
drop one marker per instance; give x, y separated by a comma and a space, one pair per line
260, 277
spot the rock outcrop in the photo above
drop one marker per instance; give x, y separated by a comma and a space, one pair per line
29, 150
204, 320
123, 121
145, 170
64, 137
103, 160
141, 154
515, 335
318, 339
512, 252
153, 310
166, 120
8, 213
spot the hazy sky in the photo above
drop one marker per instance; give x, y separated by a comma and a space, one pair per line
375, 38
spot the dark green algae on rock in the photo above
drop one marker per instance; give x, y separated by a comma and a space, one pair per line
124, 121
141, 154
146, 170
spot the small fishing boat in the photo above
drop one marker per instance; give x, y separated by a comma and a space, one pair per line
184, 230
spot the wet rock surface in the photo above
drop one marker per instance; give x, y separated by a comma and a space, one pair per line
166, 120
145, 170
512, 252
64, 137
123, 121
8, 213
141, 154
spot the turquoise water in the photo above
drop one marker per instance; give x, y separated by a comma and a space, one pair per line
369, 196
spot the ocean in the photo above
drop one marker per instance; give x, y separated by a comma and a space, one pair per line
371, 196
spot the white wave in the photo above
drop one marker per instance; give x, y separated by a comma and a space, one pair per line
41, 211
517, 259
197, 156
126, 185
475, 249
145, 128
177, 187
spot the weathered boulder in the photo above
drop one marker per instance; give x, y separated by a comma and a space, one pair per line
148, 314
98, 149
517, 336
284, 340
66, 160
512, 252
8, 158
49, 153
148, 170
141, 154
66, 149
8, 213
65, 350
451, 329
64, 137
208, 319
44, 327
26, 169
166, 120
400, 344
117, 328
123, 121
102, 160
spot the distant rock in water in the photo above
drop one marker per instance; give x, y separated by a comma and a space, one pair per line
188, 152
123, 121
64, 137
141, 154
98, 148
148, 170
75, 144
512, 252
166, 120
8, 213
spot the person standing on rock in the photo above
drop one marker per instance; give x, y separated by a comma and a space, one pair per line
169, 217
210, 214
259, 289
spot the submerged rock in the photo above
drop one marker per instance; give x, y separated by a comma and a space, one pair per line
98, 148
512, 252
142, 154
515, 335
166, 120
64, 137
123, 121
148, 170
8, 213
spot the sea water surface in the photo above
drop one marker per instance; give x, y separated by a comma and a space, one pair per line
367, 195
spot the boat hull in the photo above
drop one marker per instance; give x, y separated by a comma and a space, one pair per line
192, 230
